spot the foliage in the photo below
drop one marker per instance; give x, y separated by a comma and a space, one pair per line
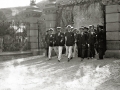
80, 13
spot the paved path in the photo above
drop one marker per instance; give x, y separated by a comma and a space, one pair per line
36, 73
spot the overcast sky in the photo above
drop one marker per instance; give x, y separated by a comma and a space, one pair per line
15, 3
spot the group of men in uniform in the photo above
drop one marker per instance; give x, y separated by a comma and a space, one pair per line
85, 42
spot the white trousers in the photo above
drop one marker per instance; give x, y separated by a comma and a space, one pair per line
50, 51
60, 48
69, 51
75, 50
66, 50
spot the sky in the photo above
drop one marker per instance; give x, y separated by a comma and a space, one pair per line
15, 3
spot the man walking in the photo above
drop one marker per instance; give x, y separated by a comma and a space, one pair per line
47, 42
60, 42
52, 43
69, 38
91, 42
84, 42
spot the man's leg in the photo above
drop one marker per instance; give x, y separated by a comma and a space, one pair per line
70, 53
56, 50
47, 49
50, 51
83, 54
75, 47
67, 50
60, 48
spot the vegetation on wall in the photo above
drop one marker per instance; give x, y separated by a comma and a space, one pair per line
79, 12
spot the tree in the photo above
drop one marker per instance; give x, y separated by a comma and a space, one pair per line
2, 16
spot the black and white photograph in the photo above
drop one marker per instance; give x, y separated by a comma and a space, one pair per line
59, 44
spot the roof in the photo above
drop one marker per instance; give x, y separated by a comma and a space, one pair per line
67, 2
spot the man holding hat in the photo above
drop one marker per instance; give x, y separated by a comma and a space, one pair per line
60, 42
69, 39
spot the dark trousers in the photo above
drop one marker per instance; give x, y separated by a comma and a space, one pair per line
47, 50
79, 51
101, 53
83, 52
91, 51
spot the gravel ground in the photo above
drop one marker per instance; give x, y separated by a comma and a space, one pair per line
36, 73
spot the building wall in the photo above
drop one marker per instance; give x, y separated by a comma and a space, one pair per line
86, 15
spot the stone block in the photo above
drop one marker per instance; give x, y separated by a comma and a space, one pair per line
50, 10
34, 26
113, 17
33, 32
113, 45
32, 19
113, 9
113, 36
50, 24
113, 26
50, 17
112, 54
34, 45
28, 33
34, 39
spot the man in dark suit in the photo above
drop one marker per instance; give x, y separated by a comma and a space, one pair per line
79, 42
52, 43
69, 39
84, 42
60, 42
91, 42
47, 42
101, 41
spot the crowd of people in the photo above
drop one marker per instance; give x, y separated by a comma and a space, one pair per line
85, 42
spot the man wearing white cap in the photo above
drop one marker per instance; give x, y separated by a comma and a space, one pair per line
52, 43
69, 39
60, 42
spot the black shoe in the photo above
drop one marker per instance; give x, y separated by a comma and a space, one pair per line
68, 59
71, 58
88, 58
58, 60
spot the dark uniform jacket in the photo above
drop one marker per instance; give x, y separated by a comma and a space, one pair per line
101, 39
47, 40
70, 38
52, 40
91, 38
60, 39
84, 40
79, 40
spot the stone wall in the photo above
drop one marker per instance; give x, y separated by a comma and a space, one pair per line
81, 15
113, 30
86, 15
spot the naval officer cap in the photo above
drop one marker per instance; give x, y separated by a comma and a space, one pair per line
51, 29
69, 26
85, 28
75, 29
58, 27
